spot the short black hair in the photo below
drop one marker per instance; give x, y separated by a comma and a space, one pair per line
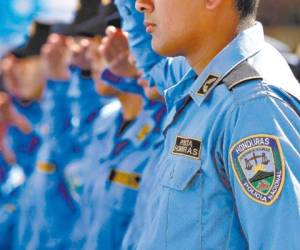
247, 8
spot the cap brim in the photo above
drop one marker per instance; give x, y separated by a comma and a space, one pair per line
35, 42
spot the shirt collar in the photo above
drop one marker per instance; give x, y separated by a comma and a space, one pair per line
245, 45
180, 90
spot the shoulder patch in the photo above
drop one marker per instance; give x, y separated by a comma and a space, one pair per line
259, 167
208, 84
187, 147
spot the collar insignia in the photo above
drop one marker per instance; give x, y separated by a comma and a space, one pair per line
208, 84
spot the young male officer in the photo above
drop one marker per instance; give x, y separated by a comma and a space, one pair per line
232, 143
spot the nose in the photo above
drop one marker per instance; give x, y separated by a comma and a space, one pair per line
144, 5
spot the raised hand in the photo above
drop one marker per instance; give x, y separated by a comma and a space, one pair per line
115, 51
10, 117
55, 55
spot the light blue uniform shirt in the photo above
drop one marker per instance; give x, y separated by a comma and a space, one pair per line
85, 105
230, 178
7, 206
106, 122
149, 184
117, 180
47, 210
25, 148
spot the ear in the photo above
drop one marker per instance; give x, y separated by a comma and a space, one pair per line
212, 4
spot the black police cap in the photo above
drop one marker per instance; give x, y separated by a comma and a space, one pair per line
36, 40
87, 9
108, 15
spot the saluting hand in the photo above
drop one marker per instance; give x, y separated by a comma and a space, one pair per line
115, 50
55, 55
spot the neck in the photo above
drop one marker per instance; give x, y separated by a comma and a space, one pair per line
200, 55
131, 105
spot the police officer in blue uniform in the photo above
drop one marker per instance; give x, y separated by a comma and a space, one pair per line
118, 178
149, 178
67, 117
120, 165
231, 145
11, 175
24, 81
85, 103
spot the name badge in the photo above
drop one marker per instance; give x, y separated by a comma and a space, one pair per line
187, 147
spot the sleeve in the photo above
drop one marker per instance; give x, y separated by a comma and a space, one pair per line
56, 116
84, 100
56, 105
164, 72
261, 152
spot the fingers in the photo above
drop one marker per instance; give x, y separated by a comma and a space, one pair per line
55, 57
117, 39
10, 117
106, 51
114, 43
21, 123
6, 152
8, 155
80, 56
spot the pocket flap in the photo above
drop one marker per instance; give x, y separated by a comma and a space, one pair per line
179, 174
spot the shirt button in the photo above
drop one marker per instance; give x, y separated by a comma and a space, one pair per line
172, 174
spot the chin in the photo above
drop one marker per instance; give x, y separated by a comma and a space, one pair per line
163, 47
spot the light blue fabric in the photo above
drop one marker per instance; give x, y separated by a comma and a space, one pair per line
199, 202
25, 147
85, 105
149, 184
110, 205
47, 211
104, 130
8, 205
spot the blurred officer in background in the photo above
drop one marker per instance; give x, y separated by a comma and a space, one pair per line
124, 146
10, 180
46, 202
24, 81
119, 62
117, 182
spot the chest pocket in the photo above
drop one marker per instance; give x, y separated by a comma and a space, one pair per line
181, 172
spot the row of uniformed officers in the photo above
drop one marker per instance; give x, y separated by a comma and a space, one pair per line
91, 159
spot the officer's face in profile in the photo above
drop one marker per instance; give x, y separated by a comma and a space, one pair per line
23, 78
180, 27
173, 24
